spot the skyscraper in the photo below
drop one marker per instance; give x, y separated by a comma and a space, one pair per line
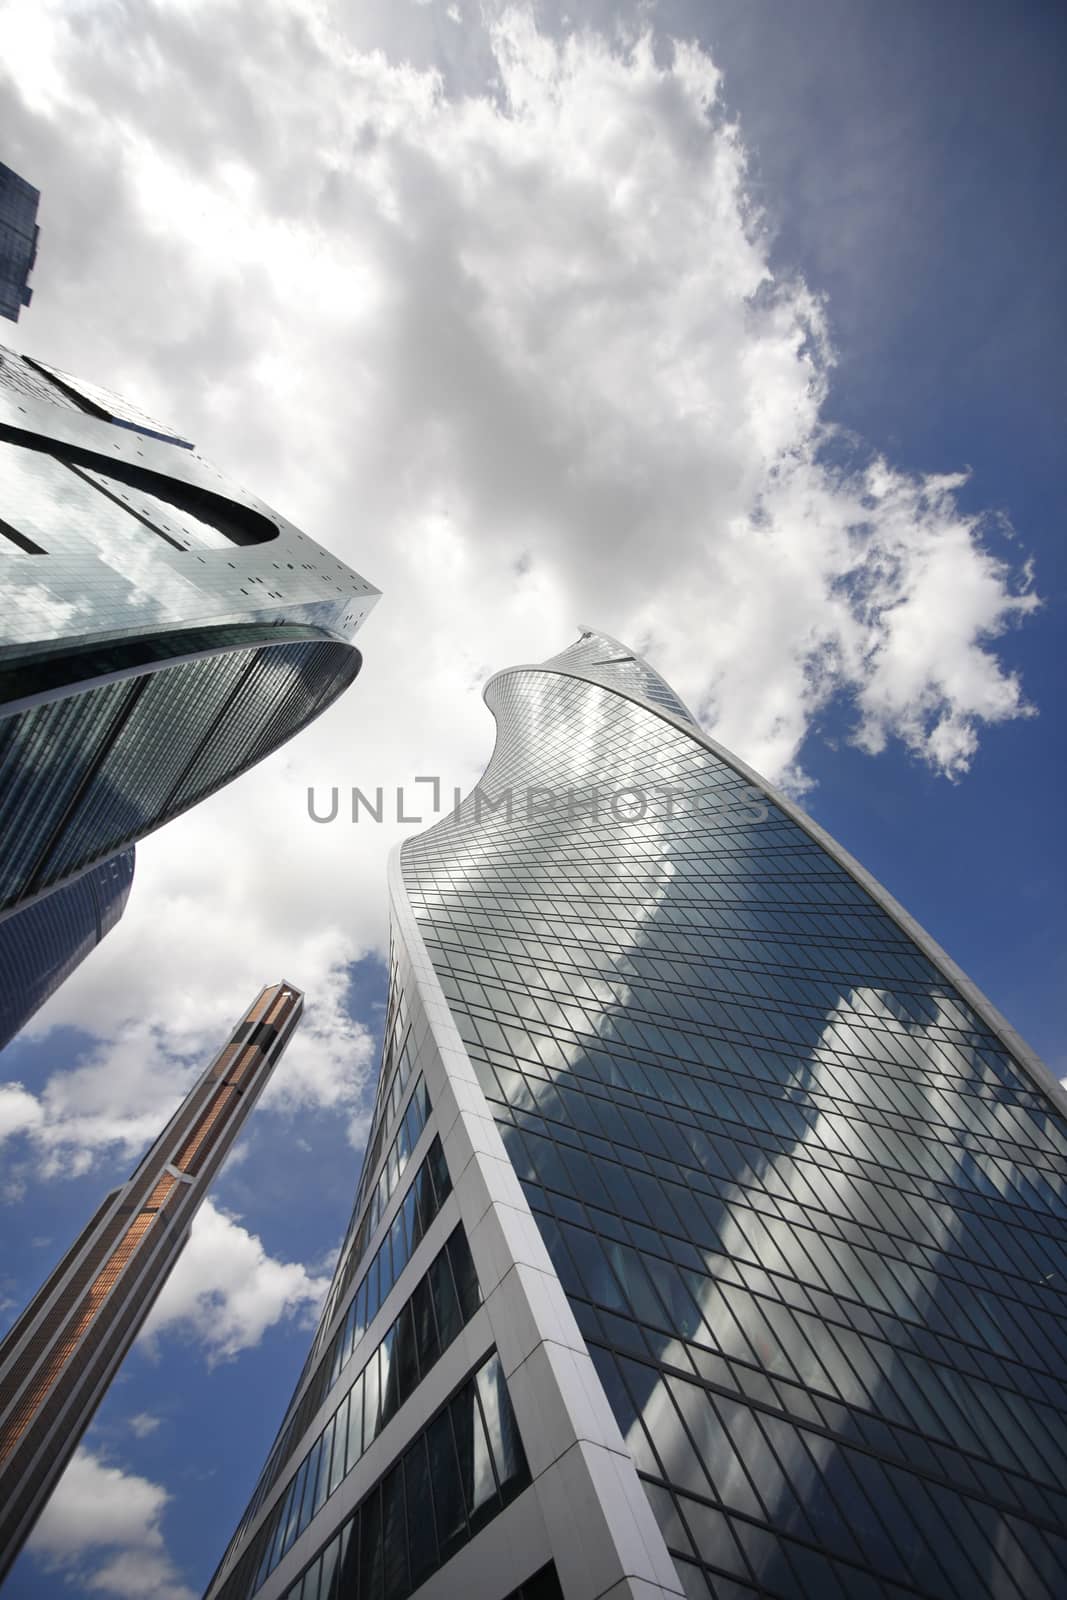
752, 1206
18, 241
58, 1359
161, 630
41, 945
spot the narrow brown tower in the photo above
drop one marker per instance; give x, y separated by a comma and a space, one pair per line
58, 1359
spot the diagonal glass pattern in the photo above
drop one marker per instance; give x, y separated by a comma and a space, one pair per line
806, 1199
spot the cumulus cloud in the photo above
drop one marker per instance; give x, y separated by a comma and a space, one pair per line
226, 1291
20, 1111
514, 348
101, 1530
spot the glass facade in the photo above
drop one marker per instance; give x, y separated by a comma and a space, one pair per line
443, 1302
765, 1205
18, 241
41, 945
452, 1479
399, 1445
162, 630
806, 1201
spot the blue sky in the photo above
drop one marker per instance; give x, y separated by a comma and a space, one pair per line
511, 425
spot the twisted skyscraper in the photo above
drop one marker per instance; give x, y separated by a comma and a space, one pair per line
711, 1236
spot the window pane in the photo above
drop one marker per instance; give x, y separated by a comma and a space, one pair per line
355, 1425
373, 1297
310, 1590
370, 1401
329, 1568
386, 1269
405, 1357
475, 1465
349, 1333
293, 1515
463, 1272
370, 1548
508, 1454
360, 1304
340, 1439
444, 1300
409, 1220
425, 1325
394, 1535
422, 1540
424, 1200
447, 1491
387, 1375
324, 1467
435, 1160
310, 1485
398, 1241
346, 1580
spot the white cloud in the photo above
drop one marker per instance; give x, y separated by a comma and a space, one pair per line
143, 1424
227, 1291
517, 354
20, 1111
99, 1509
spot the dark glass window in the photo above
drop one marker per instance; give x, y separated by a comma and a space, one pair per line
394, 1535
405, 1355
500, 1424
370, 1547
431, 1502
425, 1325
463, 1273
421, 1533
448, 1486
388, 1376
475, 1462
446, 1305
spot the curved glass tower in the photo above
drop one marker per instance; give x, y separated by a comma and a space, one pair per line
161, 630
758, 1208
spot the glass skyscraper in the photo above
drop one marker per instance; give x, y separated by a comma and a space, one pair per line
711, 1235
18, 241
41, 945
161, 630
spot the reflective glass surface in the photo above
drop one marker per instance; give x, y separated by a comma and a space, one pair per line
809, 1212
41, 945
135, 536
18, 241
396, 1204
85, 775
162, 630
444, 1300
453, 1478
438, 1311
